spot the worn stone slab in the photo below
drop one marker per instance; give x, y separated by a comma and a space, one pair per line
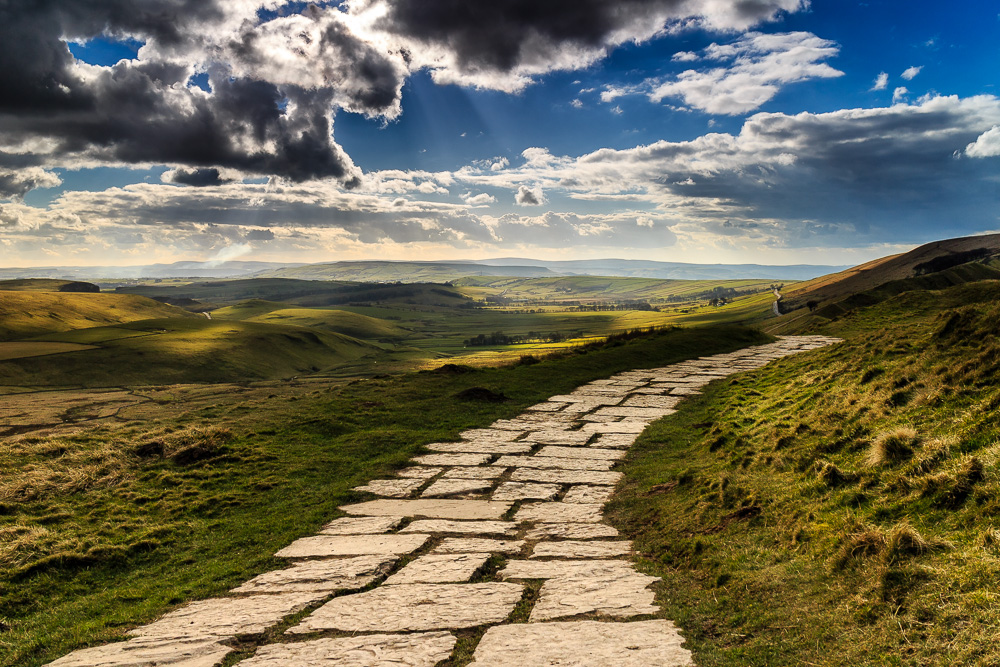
579, 549
452, 459
504, 528
418, 472
598, 417
465, 545
581, 453
588, 494
546, 462
227, 617
620, 595
570, 531
391, 488
439, 569
319, 546
615, 440
616, 427
684, 391
650, 401
583, 644
642, 413
482, 447
448, 487
565, 476
466, 510
328, 574
556, 512
526, 491
362, 525
413, 607
548, 406
558, 437
412, 650
550, 569
186, 652
473, 473
489, 434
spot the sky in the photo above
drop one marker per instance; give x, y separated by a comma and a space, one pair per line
708, 131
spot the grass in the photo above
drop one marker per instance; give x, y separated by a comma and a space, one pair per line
336, 321
24, 349
32, 313
837, 507
184, 350
107, 527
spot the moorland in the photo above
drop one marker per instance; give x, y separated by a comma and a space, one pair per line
836, 507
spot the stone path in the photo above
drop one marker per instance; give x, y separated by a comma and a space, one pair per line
509, 518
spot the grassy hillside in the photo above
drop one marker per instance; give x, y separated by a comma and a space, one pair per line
30, 313
407, 272
107, 528
336, 321
838, 507
184, 350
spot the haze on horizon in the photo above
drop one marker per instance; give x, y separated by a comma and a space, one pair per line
732, 131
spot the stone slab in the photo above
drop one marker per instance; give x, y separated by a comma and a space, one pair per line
615, 440
559, 512
464, 545
391, 488
618, 595
583, 644
320, 546
418, 472
449, 487
651, 401
481, 447
548, 406
588, 494
413, 650
643, 413
227, 617
548, 462
526, 491
415, 607
570, 531
461, 472
616, 427
361, 525
558, 437
147, 653
328, 574
489, 434
551, 569
504, 528
452, 459
435, 509
580, 549
581, 453
565, 476
439, 569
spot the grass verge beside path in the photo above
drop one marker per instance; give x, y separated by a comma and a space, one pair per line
838, 507
110, 527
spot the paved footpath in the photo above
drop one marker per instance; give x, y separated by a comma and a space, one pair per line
530, 489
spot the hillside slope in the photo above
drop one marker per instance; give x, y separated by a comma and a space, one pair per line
30, 313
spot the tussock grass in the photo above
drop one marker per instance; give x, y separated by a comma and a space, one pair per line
893, 447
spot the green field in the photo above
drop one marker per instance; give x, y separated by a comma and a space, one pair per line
107, 527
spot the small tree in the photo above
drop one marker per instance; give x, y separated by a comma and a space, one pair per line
812, 305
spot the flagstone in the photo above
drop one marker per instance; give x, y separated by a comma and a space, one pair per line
452, 459
462, 545
585, 493
583, 644
174, 652
553, 462
565, 476
620, 595
554, 512
581, 453
328, 574
413, 607
580, 549
439, 569
462, 472
574, 531
392, 488
447, 487
434, 509
482, 447
319, 546
504, 528
526, 490
418, 472
361, 525
411, 650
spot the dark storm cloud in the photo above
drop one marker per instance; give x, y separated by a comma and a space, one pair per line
505, 34
196, 177
17, 183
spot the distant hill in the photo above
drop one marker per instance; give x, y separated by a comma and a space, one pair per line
407, 272
30, 313
175, 270
634, 268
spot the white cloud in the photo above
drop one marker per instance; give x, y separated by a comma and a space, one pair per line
987, 145
576, 103
881, 81
500, 164
899, 94
759, 65
617, 110
481, 199
526, 196
911, 72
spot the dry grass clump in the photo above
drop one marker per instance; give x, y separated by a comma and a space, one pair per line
901, 542
834, 476
893, 446
932, 455
990, 539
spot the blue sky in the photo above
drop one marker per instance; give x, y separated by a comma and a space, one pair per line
823, 132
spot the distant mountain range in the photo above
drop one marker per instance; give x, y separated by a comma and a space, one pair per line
430, 271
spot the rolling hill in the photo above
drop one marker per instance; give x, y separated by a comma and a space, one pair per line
336, 321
